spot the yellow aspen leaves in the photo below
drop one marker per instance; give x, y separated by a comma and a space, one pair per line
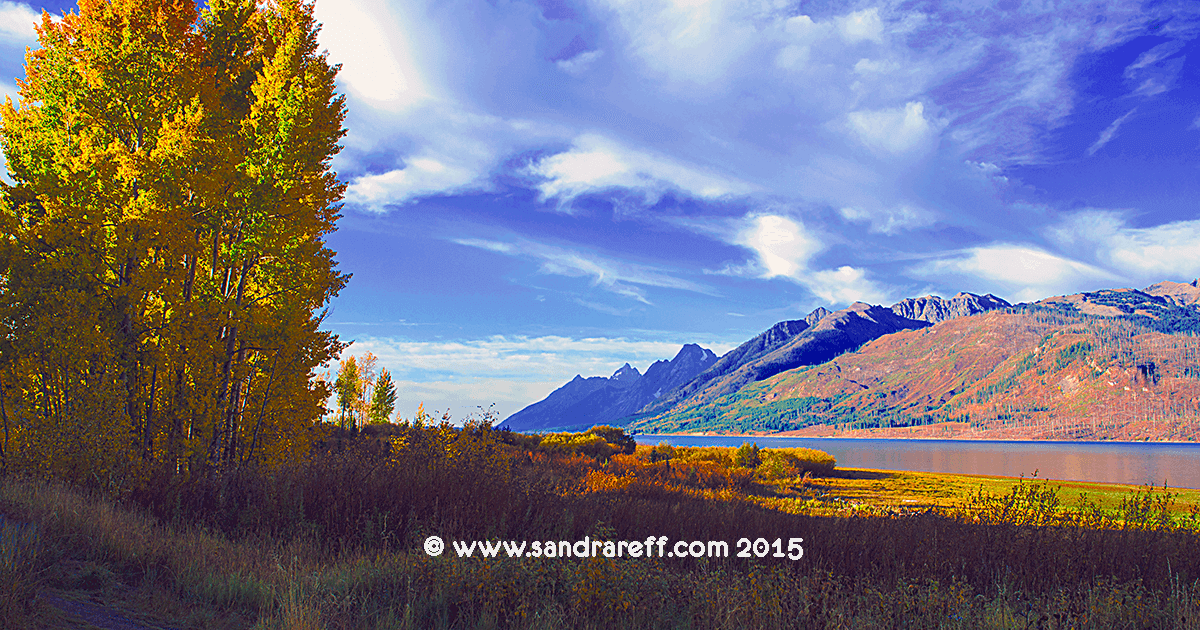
163, 268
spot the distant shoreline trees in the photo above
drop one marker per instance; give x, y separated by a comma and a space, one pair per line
163, 270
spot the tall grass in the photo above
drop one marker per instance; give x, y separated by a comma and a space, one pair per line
335, 541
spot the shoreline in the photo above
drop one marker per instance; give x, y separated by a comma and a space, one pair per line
1141, 432
788, 435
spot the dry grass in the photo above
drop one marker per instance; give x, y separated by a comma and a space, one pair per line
335, 543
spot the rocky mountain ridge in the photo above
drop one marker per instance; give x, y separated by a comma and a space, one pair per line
1110, 364
696, 374
587, 402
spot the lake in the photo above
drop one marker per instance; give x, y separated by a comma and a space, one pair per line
1177, 464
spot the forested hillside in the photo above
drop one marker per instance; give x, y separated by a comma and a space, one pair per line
1117, 364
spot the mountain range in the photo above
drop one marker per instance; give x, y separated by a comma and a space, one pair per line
1109, 364
586, 402
695, 376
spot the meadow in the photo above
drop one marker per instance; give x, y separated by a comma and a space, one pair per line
335, 541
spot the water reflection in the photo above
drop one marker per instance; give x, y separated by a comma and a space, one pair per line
1115, 462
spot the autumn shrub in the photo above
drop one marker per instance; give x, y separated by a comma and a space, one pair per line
588, 444
615, 437
716, 454
747, 456
662, 451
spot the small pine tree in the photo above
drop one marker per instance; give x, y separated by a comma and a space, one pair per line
383, 401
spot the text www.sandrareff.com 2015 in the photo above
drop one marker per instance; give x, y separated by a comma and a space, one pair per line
652, 547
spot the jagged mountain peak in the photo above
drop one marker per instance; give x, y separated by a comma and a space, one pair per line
584, 403
817, 314
625, 374
934, 309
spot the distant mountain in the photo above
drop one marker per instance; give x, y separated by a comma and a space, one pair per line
586, 402
817, 338
785, 346
772, 339
1110, 364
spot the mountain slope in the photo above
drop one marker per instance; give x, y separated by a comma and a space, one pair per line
766, 342
546, 413
1110, 364
819, 337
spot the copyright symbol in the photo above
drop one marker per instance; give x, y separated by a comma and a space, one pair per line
434, 546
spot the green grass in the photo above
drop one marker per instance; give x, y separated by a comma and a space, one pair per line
901, 489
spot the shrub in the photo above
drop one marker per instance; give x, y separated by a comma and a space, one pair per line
662, 452
747, 456
616, 437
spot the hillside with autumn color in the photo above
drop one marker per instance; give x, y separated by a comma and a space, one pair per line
1114, 364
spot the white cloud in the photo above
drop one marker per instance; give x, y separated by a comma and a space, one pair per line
595, 163
784, 248
615, 276
1109, 133
895, 131
1170, 251
861, 25
420, 177
579, 64
16, 23
890, 221
1022, 272
846, 284
375, 51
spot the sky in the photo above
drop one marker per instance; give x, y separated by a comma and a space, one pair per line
545, 188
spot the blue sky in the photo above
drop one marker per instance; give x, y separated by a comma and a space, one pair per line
551, 187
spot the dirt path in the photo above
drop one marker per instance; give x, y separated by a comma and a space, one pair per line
82, 614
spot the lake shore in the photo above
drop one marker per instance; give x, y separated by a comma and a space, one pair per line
1133, 433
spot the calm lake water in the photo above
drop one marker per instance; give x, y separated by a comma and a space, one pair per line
1115, 462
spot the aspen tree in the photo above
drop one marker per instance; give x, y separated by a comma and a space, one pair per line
163, 264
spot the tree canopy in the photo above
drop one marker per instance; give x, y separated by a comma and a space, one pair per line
163, 268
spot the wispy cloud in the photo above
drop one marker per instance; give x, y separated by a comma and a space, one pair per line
1109, 133
595, 163
890, 220
1016, 271
615, 276
1168, 251
1156, 70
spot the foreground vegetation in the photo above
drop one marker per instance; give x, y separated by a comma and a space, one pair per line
335, 541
